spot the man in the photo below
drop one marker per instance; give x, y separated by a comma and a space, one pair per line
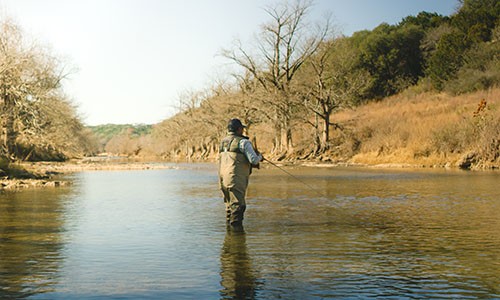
236, 159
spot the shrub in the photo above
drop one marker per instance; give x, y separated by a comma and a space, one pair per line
481, 70
452, 137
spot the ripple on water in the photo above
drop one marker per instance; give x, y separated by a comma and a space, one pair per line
162, 234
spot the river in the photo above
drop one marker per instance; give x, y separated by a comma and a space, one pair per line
327, 233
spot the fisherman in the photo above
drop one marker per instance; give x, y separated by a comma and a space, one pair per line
237, 157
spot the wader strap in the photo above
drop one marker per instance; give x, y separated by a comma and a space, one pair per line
227, 145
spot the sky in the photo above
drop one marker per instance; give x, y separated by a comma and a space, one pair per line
131, 60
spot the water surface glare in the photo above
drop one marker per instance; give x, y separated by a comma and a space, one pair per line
161, 234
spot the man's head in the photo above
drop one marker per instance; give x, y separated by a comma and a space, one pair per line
235, 126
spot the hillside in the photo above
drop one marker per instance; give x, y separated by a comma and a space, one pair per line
430, 130
422, 92
407, 93
120, 138
409, 129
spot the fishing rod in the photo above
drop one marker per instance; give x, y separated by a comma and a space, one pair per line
294, 177
341, 209
254, 142
342, 212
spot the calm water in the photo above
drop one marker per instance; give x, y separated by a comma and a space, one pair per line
161, 234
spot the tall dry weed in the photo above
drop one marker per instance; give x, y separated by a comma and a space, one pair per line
428, 129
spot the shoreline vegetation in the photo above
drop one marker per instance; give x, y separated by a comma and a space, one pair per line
48, 174
410, 129
405, 131
422, 93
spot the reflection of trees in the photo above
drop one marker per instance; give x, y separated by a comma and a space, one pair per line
237, 277
30, 242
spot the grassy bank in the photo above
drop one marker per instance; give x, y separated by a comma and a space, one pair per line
410, 129
423, 130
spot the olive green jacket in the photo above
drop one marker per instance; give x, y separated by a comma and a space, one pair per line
234, 167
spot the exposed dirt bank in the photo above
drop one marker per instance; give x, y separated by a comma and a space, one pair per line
45, 174
50, 168
11, 184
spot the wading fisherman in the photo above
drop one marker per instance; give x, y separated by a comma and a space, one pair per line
236, 159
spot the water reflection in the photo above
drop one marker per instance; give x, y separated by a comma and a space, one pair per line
31, 226
161, 235
237, 276
377, 234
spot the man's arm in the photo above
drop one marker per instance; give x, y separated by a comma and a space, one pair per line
250, 153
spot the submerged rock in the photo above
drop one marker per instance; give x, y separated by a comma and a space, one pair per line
467, 161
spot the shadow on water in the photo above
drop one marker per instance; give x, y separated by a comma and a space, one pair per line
31, 241
238, 278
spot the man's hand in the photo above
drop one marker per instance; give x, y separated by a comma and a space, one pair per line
261, 155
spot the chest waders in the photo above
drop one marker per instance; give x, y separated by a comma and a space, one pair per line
234, 170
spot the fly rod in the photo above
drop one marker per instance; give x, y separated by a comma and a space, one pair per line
254, 142
304, 183
294, 177
311, 188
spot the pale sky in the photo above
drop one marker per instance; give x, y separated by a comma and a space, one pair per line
133, 58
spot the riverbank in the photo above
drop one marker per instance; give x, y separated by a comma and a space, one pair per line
411, 129
416, 130
46, 174
12, 184
51, 168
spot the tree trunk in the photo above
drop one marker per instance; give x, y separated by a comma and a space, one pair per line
286, 135
287, 138
277, 139
277, 142
325, 139
9, 135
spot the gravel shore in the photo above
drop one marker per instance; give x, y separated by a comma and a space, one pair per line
44, 174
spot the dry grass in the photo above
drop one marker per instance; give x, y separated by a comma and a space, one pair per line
427, 129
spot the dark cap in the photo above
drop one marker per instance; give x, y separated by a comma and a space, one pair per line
234, 124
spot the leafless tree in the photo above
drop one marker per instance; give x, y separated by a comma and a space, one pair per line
34, 112
332, 82
284, 44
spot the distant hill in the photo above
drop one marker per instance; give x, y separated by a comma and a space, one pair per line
110, 132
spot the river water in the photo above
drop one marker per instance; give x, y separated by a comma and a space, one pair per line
327, 233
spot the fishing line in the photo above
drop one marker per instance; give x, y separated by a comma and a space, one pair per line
342, 212
296, 178
254, 142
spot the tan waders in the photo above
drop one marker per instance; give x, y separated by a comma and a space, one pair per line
234, 170
234, 200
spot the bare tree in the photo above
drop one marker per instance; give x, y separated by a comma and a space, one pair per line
285, 43
332, 82
34, 112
